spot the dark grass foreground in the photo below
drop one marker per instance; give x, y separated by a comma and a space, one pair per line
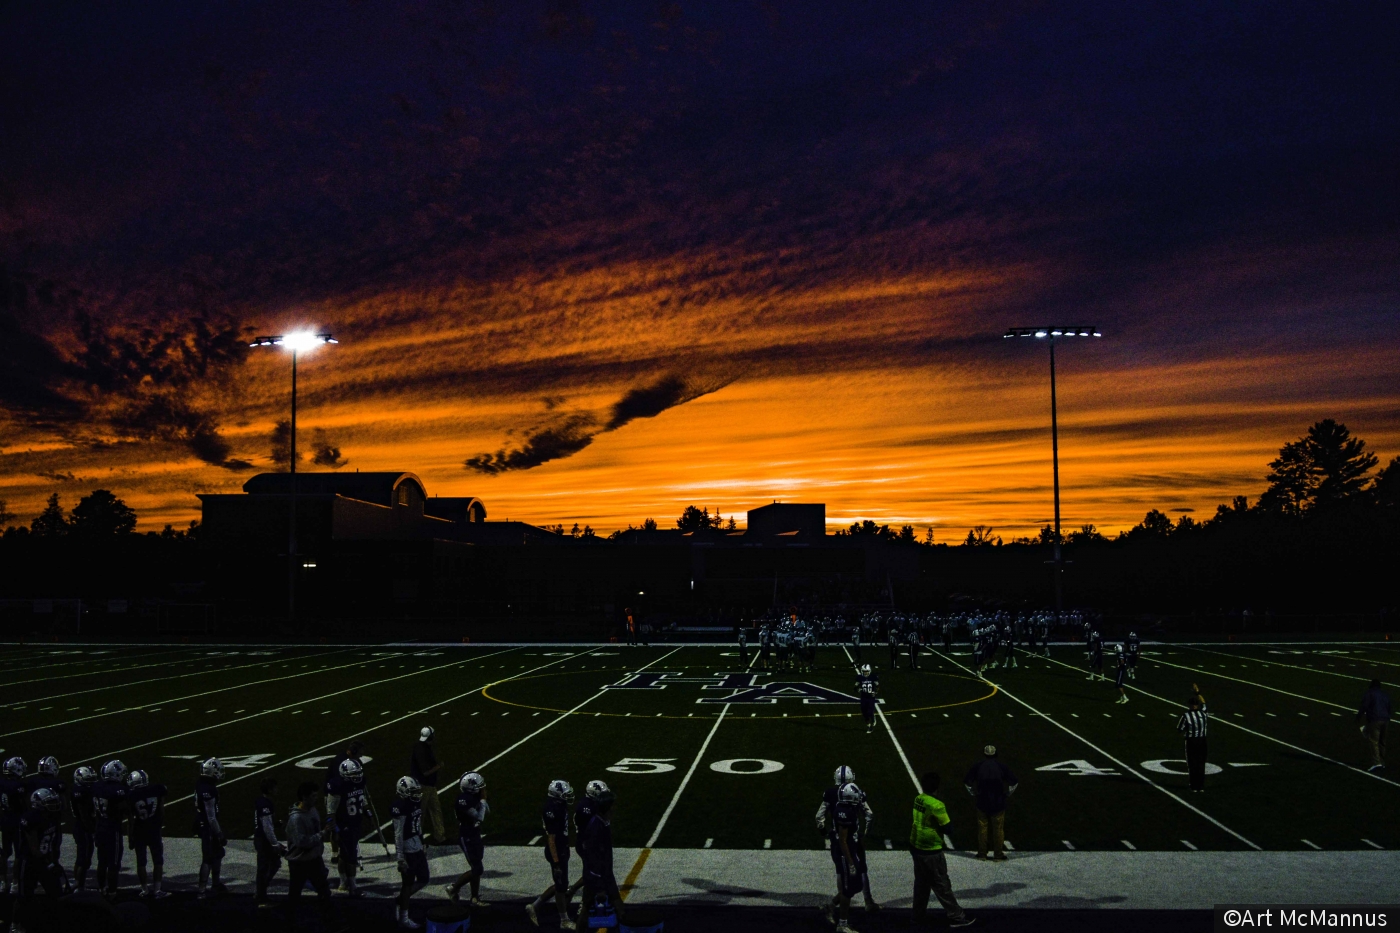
182, 913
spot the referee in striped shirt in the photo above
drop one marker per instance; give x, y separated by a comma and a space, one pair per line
1192, 725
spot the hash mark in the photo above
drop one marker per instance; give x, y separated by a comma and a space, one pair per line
1309, 842
890, 845
768, 843
1068, 845
1129, 845
1189, 846
708, 843
1372, 844
535, 840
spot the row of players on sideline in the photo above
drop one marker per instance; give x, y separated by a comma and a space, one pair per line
114, 804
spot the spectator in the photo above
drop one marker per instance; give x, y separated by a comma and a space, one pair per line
930, 864
425, 769
991, 784
1374, 714
269, 850
305, 851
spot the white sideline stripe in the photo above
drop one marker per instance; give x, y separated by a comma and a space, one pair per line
220, 725
890, 729
553, 722
1122, 764
1296, 667
151, 680
390, 722
192, 696
1240, 680
1235, 725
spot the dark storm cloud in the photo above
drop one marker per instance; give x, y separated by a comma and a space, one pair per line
577, 431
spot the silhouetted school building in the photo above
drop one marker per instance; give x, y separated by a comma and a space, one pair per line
377, 546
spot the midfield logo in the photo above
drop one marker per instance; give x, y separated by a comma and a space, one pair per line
741, 688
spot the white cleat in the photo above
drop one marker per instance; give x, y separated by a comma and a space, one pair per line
530, 912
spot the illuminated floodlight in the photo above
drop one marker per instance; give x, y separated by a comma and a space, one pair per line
298, 341
1079, 330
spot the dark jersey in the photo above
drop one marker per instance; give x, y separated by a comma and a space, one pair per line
555, 819
354, 804
206, 805
144, 803
1133, 645
407, 816
583, 812
81, 799
470, 812
264, 815
49, 828
868, 685
107, 800
39, 781
847, 816
829, 810
13, 802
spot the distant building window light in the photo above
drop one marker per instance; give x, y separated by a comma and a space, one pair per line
309, 564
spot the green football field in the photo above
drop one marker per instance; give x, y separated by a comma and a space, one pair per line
704, 752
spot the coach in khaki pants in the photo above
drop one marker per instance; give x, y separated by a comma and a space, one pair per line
426, 769
930, 864
991, 785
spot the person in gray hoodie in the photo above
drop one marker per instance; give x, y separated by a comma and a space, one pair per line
305, 850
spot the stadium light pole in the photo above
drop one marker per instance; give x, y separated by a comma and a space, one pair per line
298, 342
1050, 335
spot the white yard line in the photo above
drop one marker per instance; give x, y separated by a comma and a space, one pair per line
1296, 667
121, 670
75, 662
264, 662
918, 788
190, 696
1234, 725
1241, 680
1122, 764
220, 725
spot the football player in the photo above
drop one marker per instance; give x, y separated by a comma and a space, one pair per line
407, 816
913, 648
47, 777
855, 641
830, 798
146, 806
109, 796
868, 688
847, 853
13, 804
558, 798
743, 647
269, 851
206, 824
584, 811
355, 750
346, 807
1134, 647
1121, 674
84, 822
471, 811
1095, 656
41, 834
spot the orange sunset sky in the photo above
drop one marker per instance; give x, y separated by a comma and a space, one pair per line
648, 256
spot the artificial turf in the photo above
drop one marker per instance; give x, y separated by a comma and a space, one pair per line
1293, 764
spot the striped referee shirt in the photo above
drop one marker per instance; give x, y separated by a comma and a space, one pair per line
1193, 723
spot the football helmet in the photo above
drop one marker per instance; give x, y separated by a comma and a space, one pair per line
471, 782
409, 788
114, 770
597, 789
46, 798
843, 775
84, 775
212, 768
850, 793
137, 778
352, 771
865, 670
15, 767
561, 790
48, 765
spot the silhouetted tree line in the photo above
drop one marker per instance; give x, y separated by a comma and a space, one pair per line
1323, 537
